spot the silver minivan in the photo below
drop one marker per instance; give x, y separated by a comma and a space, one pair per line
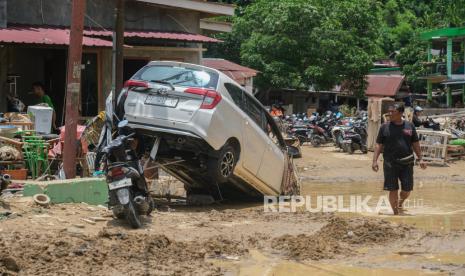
213, 135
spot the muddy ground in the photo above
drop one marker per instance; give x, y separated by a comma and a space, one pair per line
242, 239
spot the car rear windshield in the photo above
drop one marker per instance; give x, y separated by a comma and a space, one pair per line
178, 76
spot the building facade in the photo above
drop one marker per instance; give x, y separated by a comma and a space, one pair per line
35, 36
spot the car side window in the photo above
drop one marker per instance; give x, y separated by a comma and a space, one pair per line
236, 94
255, 112
248, 105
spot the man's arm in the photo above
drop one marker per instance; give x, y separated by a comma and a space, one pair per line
378, 149
417, 150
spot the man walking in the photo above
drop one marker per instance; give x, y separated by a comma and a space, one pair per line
397, 140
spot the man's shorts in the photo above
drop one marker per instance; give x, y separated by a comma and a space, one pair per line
394, 172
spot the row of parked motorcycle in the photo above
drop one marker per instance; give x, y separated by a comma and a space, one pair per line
349, 134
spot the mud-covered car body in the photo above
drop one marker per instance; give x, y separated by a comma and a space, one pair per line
214, 136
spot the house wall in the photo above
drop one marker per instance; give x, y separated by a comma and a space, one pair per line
3, 79
299, 100
190, 55
139, 16
2, 13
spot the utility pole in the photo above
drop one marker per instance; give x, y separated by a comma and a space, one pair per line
118, 48
73, 86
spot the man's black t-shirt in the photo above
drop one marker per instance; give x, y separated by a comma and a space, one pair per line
397, 140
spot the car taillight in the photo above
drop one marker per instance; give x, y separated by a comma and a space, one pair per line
211, 97
135, 83
116, 172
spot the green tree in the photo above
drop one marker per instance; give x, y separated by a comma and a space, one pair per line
298, 43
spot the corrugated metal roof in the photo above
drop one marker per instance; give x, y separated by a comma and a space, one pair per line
156, 35
45, 35
235, 71
383, 85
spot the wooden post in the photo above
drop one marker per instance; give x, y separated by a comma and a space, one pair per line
73, 86
119, 48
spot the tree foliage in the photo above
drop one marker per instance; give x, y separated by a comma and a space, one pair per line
299, 43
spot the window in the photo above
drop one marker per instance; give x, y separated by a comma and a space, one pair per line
255, 112
178, 76
236, 94
248, 104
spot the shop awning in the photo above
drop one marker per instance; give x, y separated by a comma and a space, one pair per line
45, 35
156, 35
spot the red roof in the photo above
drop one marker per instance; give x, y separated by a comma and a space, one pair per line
156, 35
383, 85
235, 71
45, 35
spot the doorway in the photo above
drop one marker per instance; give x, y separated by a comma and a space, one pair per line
89, 85
132, 65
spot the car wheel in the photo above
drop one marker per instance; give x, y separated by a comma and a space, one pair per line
222, 168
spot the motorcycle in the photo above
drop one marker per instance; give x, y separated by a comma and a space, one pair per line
321, 133
129, 196
429, 123
337, 132
355, 139
301, 132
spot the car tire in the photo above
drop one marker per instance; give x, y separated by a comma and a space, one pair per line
222, 167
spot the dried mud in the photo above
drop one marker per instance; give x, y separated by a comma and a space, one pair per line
338, 237
116, 250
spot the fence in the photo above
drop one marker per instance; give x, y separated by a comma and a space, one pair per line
433, 145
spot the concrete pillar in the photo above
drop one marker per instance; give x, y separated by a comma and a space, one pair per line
449, 57
429, 86
449, 70
429, 89
449, 97
429, 50
463, 86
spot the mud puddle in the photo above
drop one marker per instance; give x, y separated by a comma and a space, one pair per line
431, 206
259, 263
